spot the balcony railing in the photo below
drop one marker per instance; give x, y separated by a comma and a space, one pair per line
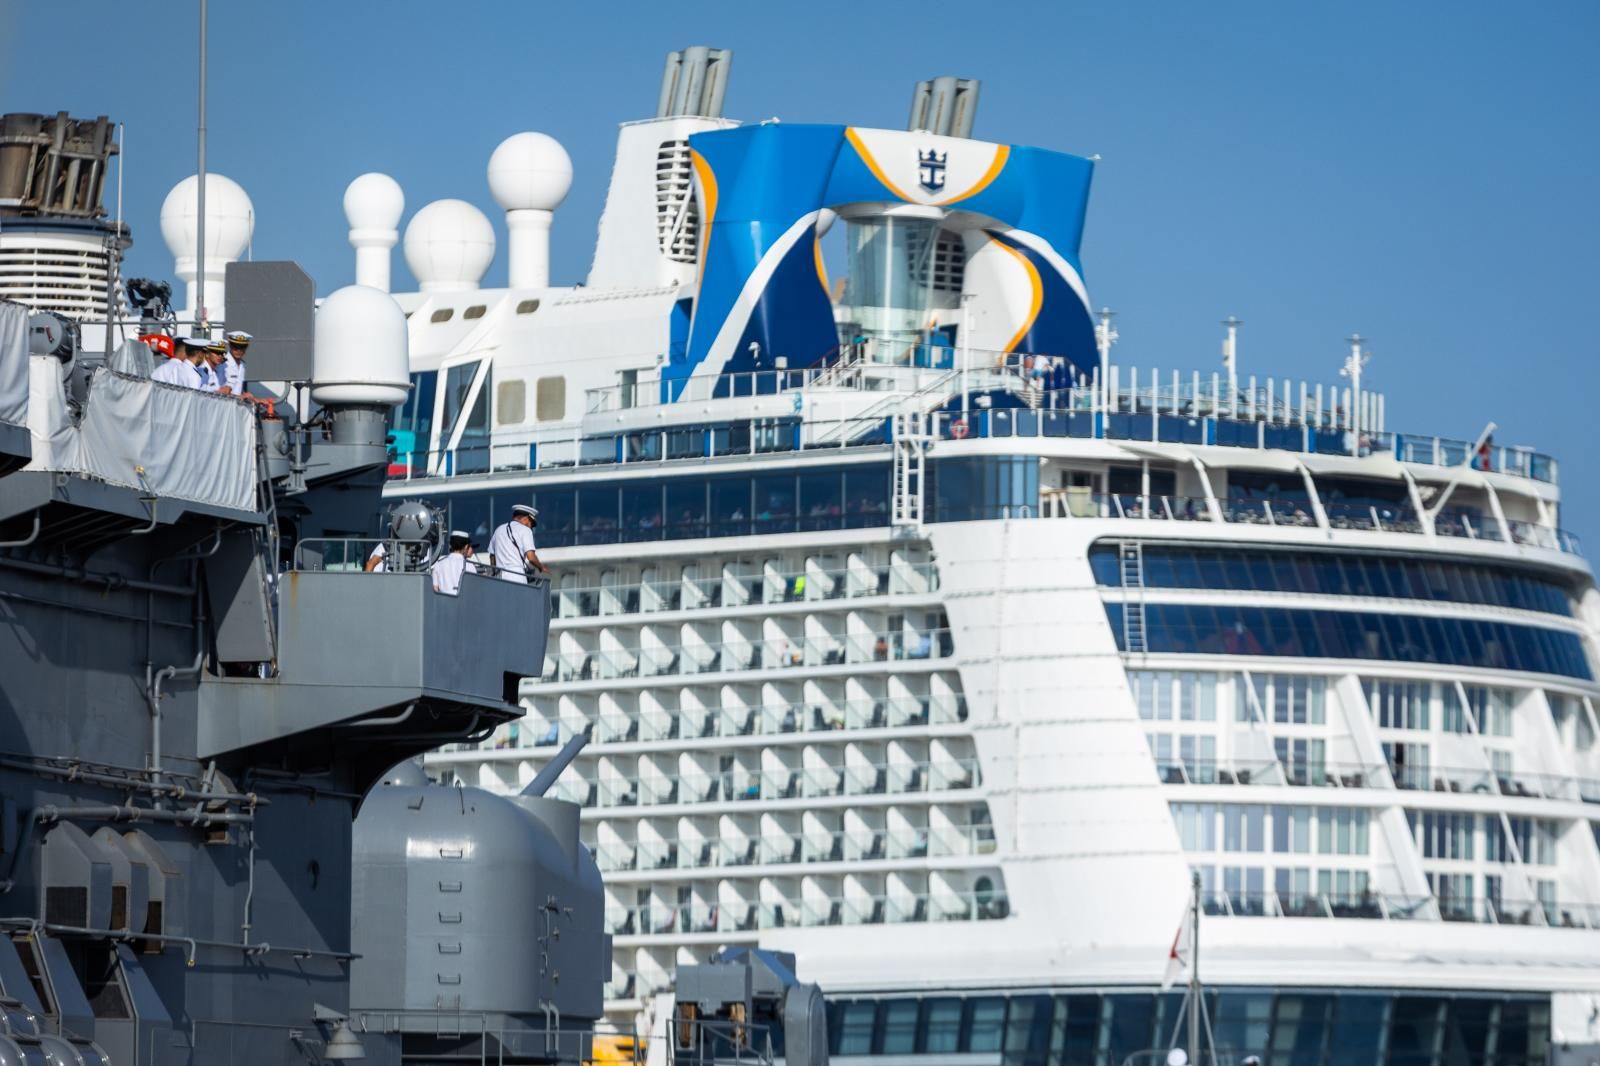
1377, 906
1292, 512
816, 585
741, 785
663, 660
691, 918
703, 853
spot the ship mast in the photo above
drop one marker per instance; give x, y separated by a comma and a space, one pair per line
200, 194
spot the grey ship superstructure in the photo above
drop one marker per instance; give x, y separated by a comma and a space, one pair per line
196, 694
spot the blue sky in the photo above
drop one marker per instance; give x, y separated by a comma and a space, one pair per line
1424, 173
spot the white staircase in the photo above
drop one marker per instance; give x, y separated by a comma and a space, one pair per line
911, 440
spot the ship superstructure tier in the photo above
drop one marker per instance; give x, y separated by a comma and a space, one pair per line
915, 635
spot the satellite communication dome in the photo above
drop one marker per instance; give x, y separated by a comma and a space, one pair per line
374, 201
360, 353
449, 245
230, 220
530, 172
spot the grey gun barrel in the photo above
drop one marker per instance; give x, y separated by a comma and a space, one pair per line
546, 777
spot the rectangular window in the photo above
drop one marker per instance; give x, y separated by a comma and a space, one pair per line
550, 399
511, 402
941, 1026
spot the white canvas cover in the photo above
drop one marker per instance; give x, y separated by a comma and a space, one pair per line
132, 358
171, 442
13, 363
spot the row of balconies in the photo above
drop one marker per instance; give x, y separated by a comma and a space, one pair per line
807, 908
701, 853
815, 581
1317, 774
749, 785
1378, 905
779, 647
819, 721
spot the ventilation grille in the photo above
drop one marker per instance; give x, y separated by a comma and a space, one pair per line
944, 270
677, 212
67, 905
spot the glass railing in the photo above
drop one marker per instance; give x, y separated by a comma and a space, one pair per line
1379, 906
1079, 503
748, 785
763, 720
808, 586
691, 918
798, 849
1321, 774
665, 660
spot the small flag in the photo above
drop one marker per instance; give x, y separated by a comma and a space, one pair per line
1182, 951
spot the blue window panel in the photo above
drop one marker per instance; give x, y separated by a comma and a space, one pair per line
1204, 629
1334, 573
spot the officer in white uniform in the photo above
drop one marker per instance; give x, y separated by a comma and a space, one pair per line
180, 370
511, 546
448, 568
232, 368
212, 378
377, 562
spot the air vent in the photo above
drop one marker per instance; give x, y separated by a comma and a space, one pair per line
527, 307
475, 311
64, 905
677, 211
442, 315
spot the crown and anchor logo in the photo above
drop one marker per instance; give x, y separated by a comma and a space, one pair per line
930, 168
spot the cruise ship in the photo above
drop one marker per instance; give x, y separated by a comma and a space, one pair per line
914, 633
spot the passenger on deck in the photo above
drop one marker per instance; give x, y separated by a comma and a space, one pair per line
448, 568
511, 550
182, 369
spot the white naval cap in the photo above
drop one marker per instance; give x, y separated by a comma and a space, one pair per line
522, 508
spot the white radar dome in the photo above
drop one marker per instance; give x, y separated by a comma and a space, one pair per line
449, 245
374, 201
230, 220
530, 172
360, 353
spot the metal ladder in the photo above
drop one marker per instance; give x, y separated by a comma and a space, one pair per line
1131, 561
910, 452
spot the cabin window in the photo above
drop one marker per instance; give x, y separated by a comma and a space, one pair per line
550, 399
511, 403
527, 307
442, 315
475, 311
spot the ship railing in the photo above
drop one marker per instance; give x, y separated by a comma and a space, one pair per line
1294, 512
810, 585
608, 788
613, 727
611, 660
1299, 773
800, 848
1478, 780
683, 919
1381, 906
1077, 412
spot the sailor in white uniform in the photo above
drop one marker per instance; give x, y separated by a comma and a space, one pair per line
511, 546
377, 562
212, 378
448, 568
232, 368
180, 370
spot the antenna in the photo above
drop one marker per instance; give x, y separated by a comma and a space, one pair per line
1358, 358
1230, 353
200, 190
1105, 335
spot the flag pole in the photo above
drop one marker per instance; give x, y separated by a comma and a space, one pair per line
1194, 972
